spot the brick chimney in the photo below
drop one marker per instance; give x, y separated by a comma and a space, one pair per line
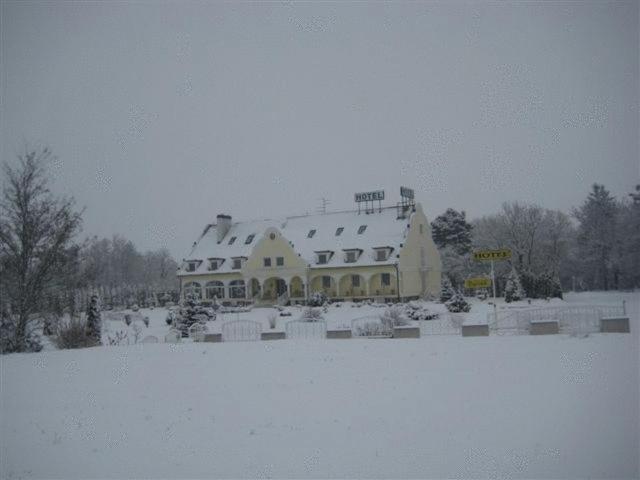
222, 226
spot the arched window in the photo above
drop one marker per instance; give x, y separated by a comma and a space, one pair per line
193, 288
214, 289
237, 289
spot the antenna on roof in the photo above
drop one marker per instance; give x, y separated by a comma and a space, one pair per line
323, 205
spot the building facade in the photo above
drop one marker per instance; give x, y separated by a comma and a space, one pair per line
382, 253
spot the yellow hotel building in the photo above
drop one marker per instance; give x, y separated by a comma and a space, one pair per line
381, 253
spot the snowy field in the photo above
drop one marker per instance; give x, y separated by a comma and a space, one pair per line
439, 406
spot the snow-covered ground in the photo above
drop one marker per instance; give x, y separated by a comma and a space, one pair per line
438, 406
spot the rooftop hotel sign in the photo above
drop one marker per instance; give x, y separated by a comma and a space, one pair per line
369, 196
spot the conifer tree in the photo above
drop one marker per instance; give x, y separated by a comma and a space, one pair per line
513, 290
94, 326
447, 290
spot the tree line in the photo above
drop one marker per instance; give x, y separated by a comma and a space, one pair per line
47, 272
594, 247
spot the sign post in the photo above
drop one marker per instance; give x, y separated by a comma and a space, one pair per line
492, 256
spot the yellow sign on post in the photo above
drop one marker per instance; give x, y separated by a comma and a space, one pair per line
478, 282
492, 255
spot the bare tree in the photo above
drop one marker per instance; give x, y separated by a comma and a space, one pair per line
36, 231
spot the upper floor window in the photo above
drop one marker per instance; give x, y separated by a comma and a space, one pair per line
249, 239
192, 266
362, 229
266, 261
237, 263
311, 233
279, 261
231, 240
352, 255
381, 255
322, 258
215, 263
339, 231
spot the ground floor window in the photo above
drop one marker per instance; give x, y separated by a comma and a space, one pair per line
385, 279
214, 289
326, 282
237, 289
193, 288
355, 280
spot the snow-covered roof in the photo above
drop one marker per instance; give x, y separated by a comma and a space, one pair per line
383, 229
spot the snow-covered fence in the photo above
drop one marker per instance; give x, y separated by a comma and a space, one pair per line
371, 326
445, 324
300, 329
241, 331
573, 320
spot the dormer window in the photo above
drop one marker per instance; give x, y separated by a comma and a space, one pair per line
215, 263
361, 229
352, 255
311, 233
249, 239
231, 240
382, 253
236, 263
339, 231
324, 257
192, 265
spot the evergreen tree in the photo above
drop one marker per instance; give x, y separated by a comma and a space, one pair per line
597, 236
457, 304
452, 229
188, 314
94, 326
513, 290
447, 290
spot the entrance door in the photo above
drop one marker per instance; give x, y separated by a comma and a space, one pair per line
281, 286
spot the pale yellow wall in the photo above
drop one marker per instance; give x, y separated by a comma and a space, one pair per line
272, 248
366, 272
419, 251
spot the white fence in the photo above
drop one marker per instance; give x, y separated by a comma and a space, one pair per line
445, 324
574, 320
370, 326
241, 331
300, 329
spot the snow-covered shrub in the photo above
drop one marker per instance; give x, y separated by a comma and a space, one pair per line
146, 321
171, 317
317, 299
417, 311
273, 317
393, 317
457, 304
513, 290
372, 329
135, 307
446, 291
311, 314
73, 334
127, 319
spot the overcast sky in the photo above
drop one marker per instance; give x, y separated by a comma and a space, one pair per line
164, 114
